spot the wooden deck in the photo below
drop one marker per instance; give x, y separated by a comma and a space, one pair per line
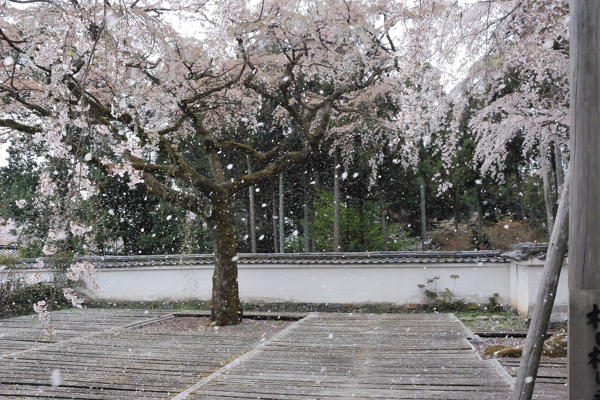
323, 356
551, 381
99, 359
346, 356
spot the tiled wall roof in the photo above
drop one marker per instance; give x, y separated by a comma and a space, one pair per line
9, 250
388, 257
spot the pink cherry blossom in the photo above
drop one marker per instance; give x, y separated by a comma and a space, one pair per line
35, 278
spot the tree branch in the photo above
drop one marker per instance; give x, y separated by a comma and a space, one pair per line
185, 200
34, 107
268, 172
11, 43
218, 88
254, 154
184, 171
12, 124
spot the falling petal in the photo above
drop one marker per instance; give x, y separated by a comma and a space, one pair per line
55, 379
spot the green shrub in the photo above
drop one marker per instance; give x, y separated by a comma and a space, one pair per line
480, 240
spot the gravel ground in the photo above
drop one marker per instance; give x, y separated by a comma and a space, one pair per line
495, 341
248, 327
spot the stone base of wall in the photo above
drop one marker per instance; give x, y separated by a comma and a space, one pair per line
334, 307
376, 308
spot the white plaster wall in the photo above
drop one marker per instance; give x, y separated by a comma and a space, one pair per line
514, 276
25, 273
368, 283
516, 283
308, 283
523, 288
526, 282
164, 283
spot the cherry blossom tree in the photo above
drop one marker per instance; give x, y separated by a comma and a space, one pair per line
174, 98
512, 59
517, 80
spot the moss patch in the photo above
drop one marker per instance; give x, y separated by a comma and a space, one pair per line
555, 346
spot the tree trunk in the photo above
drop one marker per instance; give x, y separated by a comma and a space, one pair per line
305, 222
336, 204
252, 215
423, 214
480, 210
384, 235
226, 308
455, 208
361, 223
547, 190
275, 230
584, 221
534, 344
520, 189
281, 219
347, 238
311, 218
560, 172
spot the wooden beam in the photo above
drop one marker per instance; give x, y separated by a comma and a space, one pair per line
584, 229
534, 344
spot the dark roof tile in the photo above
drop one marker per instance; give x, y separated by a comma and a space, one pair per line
388, 257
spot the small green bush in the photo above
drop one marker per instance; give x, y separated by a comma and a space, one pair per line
480, 240
20, 298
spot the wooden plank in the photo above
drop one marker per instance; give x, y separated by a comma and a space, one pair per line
551, 380
534, 343
509, 332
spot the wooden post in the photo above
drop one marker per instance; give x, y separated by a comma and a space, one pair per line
532, 352
336, 204
252, 216
584, 228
